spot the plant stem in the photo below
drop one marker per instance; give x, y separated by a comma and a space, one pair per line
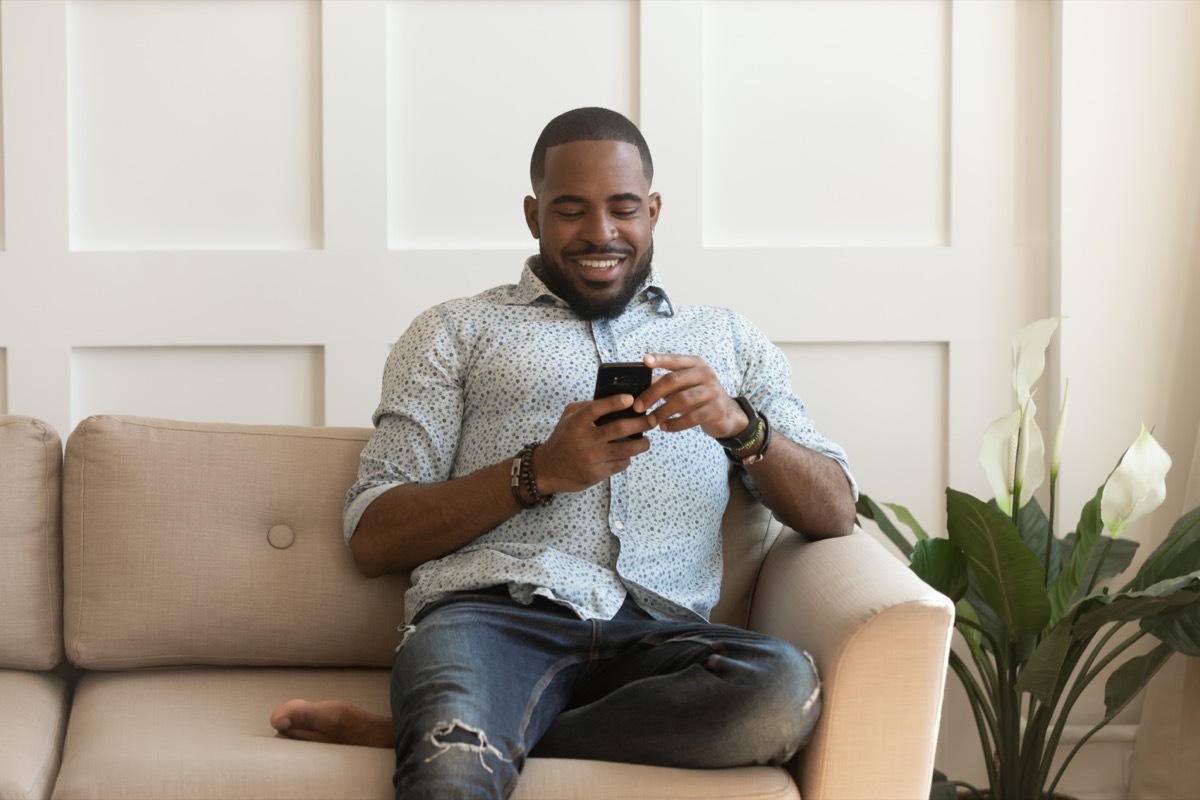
986, 669
985, 718
1087, 674
1050, 529
1108, 717
1009, 743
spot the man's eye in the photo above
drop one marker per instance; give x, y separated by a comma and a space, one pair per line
570, 214
626, 212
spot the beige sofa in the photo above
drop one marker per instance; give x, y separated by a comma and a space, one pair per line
199, 578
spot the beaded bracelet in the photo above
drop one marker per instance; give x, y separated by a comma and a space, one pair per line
522, 475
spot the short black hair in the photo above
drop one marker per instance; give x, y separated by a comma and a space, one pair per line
584, 125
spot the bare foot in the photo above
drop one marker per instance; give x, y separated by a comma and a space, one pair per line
333, 722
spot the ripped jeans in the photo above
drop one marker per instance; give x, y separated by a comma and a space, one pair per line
482, 681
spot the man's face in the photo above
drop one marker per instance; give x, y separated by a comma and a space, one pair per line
594, 217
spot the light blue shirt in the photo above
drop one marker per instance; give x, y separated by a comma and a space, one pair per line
474, 379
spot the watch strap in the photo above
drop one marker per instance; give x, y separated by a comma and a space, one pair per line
746, 437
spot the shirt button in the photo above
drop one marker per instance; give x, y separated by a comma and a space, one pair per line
617, 524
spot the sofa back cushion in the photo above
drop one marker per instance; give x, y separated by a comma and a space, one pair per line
199, 543
30, 544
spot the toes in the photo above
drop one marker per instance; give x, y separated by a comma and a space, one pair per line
289, 717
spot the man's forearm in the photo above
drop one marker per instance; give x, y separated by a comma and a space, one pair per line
414, 523
805, 489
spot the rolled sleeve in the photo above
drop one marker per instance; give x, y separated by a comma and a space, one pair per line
767, 384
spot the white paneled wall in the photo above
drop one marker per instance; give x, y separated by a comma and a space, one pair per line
832, 110
470, 85
194, 125
236, 384
228, 210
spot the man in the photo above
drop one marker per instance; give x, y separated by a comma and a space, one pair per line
563, 572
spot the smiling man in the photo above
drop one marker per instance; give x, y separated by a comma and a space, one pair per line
563, 573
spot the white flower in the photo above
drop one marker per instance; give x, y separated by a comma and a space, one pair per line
1032, 454
1056, 449
1137, 486
1029, 356
1013, 434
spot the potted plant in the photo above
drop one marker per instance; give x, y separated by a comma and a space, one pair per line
1039, 615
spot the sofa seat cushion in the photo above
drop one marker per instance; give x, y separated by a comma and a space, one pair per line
31, 733
203, 732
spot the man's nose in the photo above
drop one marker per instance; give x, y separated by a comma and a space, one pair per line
599, 229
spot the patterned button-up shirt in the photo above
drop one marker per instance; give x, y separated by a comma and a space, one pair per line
474, 379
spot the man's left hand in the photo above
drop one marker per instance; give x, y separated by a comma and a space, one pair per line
692, 397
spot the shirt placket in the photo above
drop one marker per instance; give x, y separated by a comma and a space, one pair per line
608, 349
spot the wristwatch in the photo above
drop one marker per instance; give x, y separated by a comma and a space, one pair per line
758, 428
743, 439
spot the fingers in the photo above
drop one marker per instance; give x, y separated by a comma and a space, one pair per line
579, 453
691, 396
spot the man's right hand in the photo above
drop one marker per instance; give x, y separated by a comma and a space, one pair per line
579, 454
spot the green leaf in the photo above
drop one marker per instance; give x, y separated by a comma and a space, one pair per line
1164, 596
1062, 591
1010, 576
1131, 677
1179, 628
1177, 555
905, 516
1117, 555
866, 507
943, 790
1035, 529
963, 610
942, 565
1042, 672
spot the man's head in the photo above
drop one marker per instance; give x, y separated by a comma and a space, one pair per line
592, 210
584, 125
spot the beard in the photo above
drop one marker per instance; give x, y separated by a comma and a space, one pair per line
589, 307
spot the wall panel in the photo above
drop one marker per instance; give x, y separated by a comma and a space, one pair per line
247, 384
458, 146
832, 130
3, 216
887, 404
3, 381
194, 125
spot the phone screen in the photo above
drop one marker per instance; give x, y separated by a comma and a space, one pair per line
622, 377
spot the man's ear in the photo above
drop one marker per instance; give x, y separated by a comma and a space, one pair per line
655, 206
531, 217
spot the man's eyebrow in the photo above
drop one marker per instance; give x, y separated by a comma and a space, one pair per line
625, 197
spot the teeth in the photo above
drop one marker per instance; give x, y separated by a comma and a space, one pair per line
598, 264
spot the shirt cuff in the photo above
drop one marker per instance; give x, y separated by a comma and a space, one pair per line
354, 510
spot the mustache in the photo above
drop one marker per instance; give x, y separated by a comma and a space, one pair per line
606, 250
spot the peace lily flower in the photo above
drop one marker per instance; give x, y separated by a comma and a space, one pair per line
1137, 486
1056, 449
1029, 355
1014, 435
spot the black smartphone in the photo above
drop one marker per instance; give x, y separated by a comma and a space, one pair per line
621, 377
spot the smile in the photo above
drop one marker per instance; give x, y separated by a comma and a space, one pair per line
596, 263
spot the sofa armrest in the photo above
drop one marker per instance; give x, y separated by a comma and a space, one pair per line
880, 637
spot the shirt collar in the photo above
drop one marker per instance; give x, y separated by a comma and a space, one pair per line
530, 291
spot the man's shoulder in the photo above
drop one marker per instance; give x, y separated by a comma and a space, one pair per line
497, 296
716, 315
